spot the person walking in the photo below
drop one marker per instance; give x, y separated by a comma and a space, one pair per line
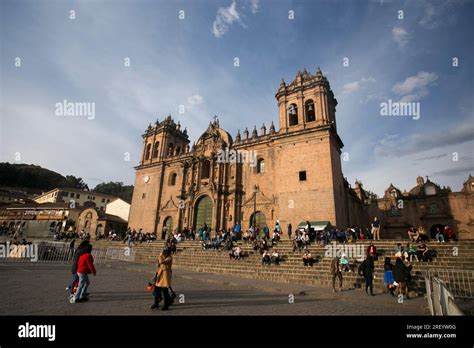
376, 229
388, 276
163, 280
401, 274
336, 273
85, 266
81, 249
290, 231
366, 269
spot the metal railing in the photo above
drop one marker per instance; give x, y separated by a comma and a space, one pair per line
43, 252
460, 283
445, 289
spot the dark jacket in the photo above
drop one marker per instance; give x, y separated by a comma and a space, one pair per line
401, 273
366, 268
75, 261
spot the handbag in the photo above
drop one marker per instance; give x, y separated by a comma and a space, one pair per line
151, 286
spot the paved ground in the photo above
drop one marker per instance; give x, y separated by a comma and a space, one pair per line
119, 289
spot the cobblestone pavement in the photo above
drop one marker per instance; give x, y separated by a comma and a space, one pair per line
119, 289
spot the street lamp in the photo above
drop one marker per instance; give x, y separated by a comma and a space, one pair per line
255, 190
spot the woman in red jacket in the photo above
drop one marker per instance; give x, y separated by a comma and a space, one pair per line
85, 266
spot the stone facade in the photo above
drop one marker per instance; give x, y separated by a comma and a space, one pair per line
291, 175
427, 205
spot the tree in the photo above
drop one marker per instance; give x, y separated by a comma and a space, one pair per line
73, 182
117, 189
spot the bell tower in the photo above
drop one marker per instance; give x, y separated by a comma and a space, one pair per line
163, 140
307, 102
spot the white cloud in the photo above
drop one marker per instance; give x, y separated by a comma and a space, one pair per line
355, 86
195, 99
415, 87
396, 146
224, 18
254, 6
400, 36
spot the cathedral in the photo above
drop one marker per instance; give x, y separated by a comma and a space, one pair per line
289, 174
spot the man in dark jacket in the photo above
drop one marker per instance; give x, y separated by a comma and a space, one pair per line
366, 269
401, 274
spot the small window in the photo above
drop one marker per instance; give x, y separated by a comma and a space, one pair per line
260, 166
103, 200
172, 179
205, 169
143, 195
302, 175
78, 195
72, 194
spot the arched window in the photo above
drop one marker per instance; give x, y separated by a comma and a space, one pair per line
172, 179
170, 150
261, 166
433, 208
293, 114
147, 152
155, 149
309, 110
178, 150
205, 169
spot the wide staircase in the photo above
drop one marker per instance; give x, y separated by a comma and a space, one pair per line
191, 256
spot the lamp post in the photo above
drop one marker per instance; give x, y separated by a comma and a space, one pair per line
255, 189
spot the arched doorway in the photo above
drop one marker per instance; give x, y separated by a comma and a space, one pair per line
203, 212
260, 220
168, 224
433, 230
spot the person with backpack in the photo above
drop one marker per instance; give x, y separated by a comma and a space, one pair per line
85, 266
366, 269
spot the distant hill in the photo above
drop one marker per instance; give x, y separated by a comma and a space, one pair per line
36, 179
29, 176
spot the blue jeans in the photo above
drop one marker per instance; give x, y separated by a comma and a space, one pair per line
440, 237
82, 288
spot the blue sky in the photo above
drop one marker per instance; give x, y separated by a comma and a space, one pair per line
190, 62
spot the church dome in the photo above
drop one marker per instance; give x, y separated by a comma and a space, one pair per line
216, 132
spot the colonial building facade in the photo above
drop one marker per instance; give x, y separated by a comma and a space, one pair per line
292, 174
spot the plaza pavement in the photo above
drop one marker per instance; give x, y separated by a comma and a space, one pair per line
119, 289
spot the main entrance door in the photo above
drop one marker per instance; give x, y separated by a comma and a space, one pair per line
260, 220
203, 213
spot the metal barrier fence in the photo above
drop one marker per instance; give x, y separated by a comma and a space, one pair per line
44, 252
460, 283
444, 287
